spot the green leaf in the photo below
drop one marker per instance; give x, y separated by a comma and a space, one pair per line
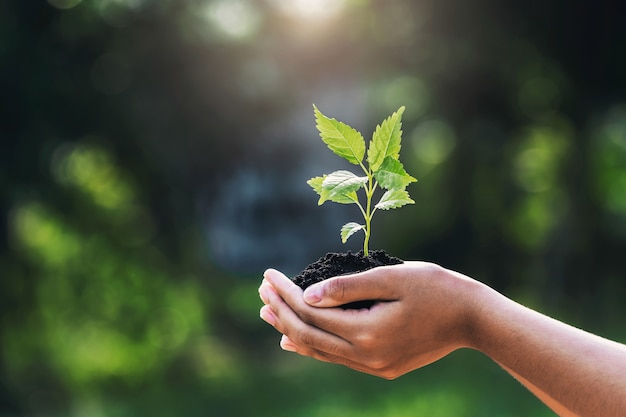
347, 198
386, 140
316, 184
394, 199
341, 183
342, 139
349, 229
392, 176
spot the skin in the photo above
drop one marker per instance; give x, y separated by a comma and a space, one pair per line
423, 312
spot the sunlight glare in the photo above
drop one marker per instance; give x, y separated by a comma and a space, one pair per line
234, 18
310, 9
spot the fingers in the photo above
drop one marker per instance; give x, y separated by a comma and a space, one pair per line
289, 345
326, 334
337, 291
284, 287
335, 335
335, 321
283, 310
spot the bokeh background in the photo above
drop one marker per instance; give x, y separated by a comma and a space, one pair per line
153, 162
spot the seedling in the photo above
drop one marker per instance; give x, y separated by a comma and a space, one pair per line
383, 170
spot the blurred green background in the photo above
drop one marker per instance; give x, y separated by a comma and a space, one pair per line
154, 158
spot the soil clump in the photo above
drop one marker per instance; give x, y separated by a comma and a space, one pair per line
334, 264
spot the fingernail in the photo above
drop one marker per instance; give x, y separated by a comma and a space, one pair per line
267, 315
287, 345
269, 273
313, 294
263, 293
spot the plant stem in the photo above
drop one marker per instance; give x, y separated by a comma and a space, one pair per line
368, 214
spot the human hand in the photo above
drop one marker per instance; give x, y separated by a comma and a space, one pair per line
421, 313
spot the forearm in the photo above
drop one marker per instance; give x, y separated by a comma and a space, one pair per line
573, 372
557, 407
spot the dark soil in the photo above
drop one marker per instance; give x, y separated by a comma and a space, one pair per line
334, 264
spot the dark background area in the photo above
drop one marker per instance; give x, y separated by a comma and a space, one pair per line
154, 158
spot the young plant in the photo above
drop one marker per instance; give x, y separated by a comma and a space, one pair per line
383, 170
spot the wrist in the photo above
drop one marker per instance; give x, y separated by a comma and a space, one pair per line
474, 315
486, 318
463, 302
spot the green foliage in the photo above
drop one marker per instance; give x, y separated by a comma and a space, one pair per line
383, 170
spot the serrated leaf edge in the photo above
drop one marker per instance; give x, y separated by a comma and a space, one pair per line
376, 160
356, 152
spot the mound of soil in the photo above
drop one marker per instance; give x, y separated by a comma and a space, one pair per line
334, 264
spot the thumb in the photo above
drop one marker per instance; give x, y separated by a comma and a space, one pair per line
337, 291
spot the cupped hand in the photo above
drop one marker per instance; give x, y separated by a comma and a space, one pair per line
421, 313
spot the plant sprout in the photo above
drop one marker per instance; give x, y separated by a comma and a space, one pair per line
383, 170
